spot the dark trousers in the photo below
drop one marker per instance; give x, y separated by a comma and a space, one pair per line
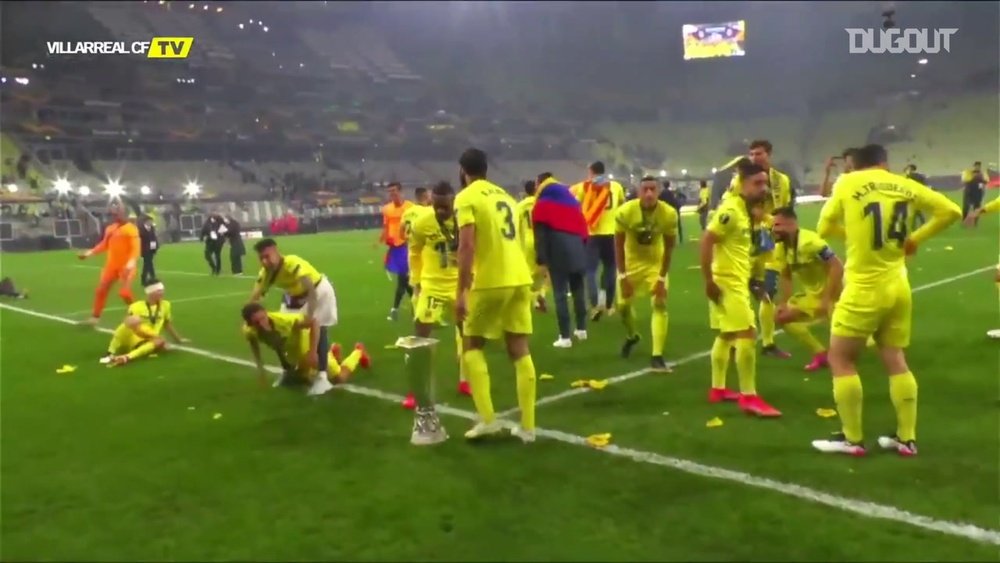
563, 282
600, 255
680, 225
213, 255
236, 259
703, 219
972, 199
148, 269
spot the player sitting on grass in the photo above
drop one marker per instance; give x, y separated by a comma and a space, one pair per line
294, 337
139, 333
801, 255
870, 207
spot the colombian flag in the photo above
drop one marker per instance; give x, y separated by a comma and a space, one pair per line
558, 209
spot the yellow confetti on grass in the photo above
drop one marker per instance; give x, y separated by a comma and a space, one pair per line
217, 416
599, 440
66, 368
714, 423
826, 413
546, 377
391, 346
949, 248
595, 384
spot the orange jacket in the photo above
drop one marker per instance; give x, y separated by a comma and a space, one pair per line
121, 241
392, 218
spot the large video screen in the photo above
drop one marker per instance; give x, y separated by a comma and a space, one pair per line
710, 40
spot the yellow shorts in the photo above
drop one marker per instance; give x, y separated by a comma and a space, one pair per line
808, 305
643, 282
494, 312
733, 312
123, 340
431, 308
884, 312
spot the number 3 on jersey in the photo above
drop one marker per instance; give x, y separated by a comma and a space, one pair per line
897, 223
508, 230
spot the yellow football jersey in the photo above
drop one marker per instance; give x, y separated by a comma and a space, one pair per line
525, 226
411, 215
284, 337
499, 260
434, 255
873, 208
287, 276
704, 198
734, 229
644, 231
779, 191
806, 256
153, 316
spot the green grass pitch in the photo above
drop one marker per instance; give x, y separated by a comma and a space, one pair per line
133, 463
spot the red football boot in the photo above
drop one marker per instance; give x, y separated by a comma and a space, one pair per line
464, 389
409, 403
366, 360
719, 395
753, 404
335, 350
818, 362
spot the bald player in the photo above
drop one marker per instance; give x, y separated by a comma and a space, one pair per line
121, 245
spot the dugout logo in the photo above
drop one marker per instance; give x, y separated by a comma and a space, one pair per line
914, 41
155, 48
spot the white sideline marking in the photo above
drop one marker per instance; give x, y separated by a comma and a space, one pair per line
172, 301
860, 507
180, 273
694, 357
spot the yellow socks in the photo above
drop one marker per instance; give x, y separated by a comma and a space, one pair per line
659, 329
628, 318
720, 362
903, 391
848, 395
144, 349
801, 332
524, 368
479, 380
746, 364
350, 362
461, 361
766, 314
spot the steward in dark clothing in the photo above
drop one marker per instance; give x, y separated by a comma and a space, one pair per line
148, 247
236, 248
974, 181
675, 200
213, 242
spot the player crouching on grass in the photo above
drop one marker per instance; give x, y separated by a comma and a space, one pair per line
139, 333
295, 339
306, 291
800, 254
